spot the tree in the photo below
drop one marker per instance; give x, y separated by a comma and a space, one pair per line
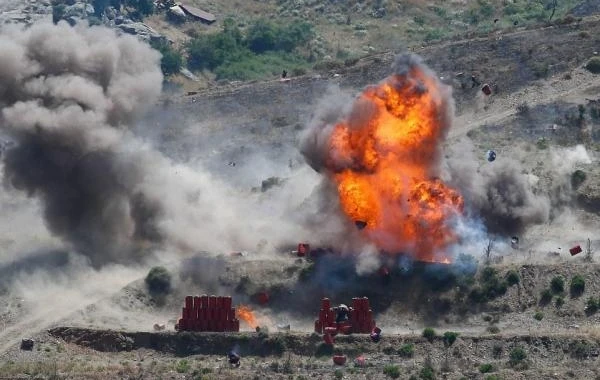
99, 6
171, 61
589, 252
261, 36
58, 12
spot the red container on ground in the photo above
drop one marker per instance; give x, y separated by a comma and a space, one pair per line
346, 329
219, 302
331, 316
231, 314
236, 325
323, 316
339, 359
189, 302
227, 303
366, 305
318, 327
330, 330
325, 304
212, 302
575, 250
196, 302
204, 301
181, 324
203, 325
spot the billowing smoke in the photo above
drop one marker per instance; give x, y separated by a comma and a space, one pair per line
67, 97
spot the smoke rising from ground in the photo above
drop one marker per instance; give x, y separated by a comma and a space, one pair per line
67, 96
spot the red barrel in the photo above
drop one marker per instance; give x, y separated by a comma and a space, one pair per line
196, 302
219, 302
227, 303
203, 325
339, 359
328, 339
204, 301
346, 329
355, 303
189, 302
366, 305
322, 316
330, 330
331, 316
318, 327
231, 314
262, 298
212, 302
325, 304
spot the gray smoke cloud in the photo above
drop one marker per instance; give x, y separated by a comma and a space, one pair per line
67, 97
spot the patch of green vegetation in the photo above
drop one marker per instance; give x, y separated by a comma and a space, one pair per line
407, 350
577, 286
559, 301
449, 338
264, 50
577, 178
427, 373
324, 350
512, 278
545, 297
592, 305
581, 350
491, 286
429, 334
542, 144
517, 356
593, 65
171, 61
392, 371
486, 368
538, 316
338, 374
557, 285
158, 281
493, 329
182, 366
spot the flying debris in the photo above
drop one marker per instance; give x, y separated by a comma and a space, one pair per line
514, 242
339, 359
491, 155
360, 224
486, 89
376, 334
575, 250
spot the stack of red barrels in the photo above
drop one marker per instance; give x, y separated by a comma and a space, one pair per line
360, 318
208, 313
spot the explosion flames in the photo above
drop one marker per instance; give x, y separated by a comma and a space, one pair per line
384, 159
247, 315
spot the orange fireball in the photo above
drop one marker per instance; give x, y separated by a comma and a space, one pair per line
384, 159
247, 315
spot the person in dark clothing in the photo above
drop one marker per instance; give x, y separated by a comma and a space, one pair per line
284, 74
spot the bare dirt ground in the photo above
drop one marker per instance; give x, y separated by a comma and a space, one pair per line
559, 336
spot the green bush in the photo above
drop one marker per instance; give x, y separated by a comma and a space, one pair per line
338, 374
429, 334
545, 296
516, 356
427, 373
450, 338
559, 301
407, 350
144, 7
491, 286
593, 65
538, 316
171, 61
581, 350
58, 12
592, 304
577, 178
577, 286
557, 285
486, 368
512, 278
158, 281
183, 366
392, 371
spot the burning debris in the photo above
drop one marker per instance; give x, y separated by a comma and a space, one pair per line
247, 315
344, 319
384, 157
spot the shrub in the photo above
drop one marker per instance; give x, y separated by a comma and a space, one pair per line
158, 281
538, 316
516, 356
338, 374
557, 285
512, 278
559, 301
486, 368
545, 296
493, 329
392, 371
407, 350
577, 285
593, 65
591, 305
171, 61
581, 350
427, 373
182, 366
429, 334
497, 351
577, 178
492, 377
58, 12
450, 338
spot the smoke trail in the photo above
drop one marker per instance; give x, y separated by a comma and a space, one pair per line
67, 97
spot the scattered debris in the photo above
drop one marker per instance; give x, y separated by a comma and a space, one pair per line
159, 327
263, 298
360, 224
514, 242
376, 334
234, 358
575, 250
231, 163
491, 155
486, 89
303, 249
282, 327
27, 344
360, 361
